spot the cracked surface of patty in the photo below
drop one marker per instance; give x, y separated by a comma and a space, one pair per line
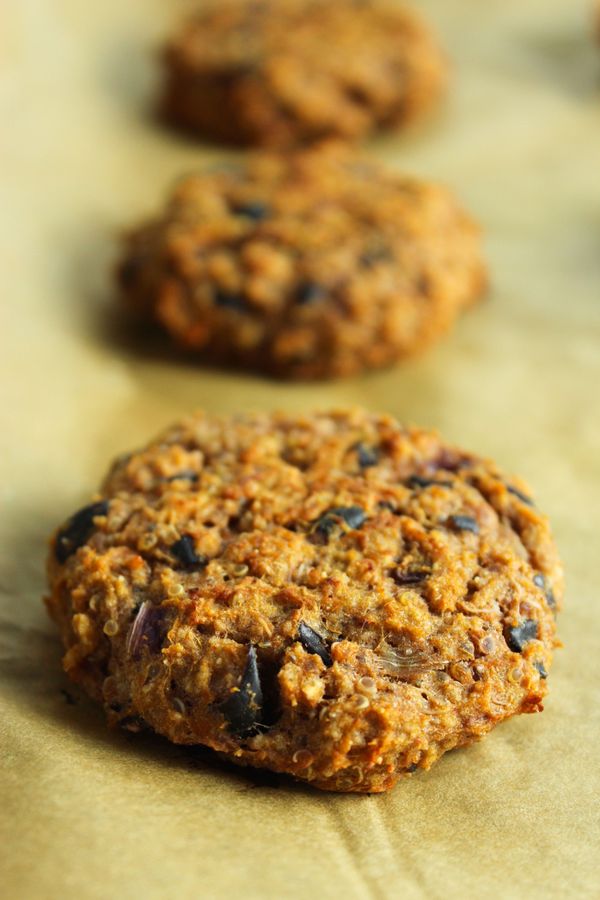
311, 265
283, 72
333, 596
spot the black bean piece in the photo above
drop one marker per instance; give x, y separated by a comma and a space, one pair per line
77, 530
353, 516
243, 707
367, 456
450, 461
229, 300
376, 253
324, 527
234, 523
519, 635
463, 523
309, 292
517, 493
412, 768
541, 669
418, 481
185, 552
314, 643
146, 631
540, 581
254, 210
411, 576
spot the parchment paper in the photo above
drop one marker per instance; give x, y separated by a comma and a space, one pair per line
91, 814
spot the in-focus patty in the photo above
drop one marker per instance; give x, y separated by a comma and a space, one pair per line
333, 596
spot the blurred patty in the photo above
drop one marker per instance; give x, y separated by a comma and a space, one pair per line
306, 265
276, 72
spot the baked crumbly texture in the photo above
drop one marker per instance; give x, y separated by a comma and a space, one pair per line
311, 265
334, 596
283, 72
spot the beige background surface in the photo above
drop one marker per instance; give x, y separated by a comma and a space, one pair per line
91, 814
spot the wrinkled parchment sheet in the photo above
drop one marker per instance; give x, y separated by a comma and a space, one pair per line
89, 814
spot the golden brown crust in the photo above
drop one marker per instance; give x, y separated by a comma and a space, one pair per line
311, 265
332, 596
283, 72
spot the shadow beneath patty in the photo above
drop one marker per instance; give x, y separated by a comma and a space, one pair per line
98, 312
38, 700
35, 687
